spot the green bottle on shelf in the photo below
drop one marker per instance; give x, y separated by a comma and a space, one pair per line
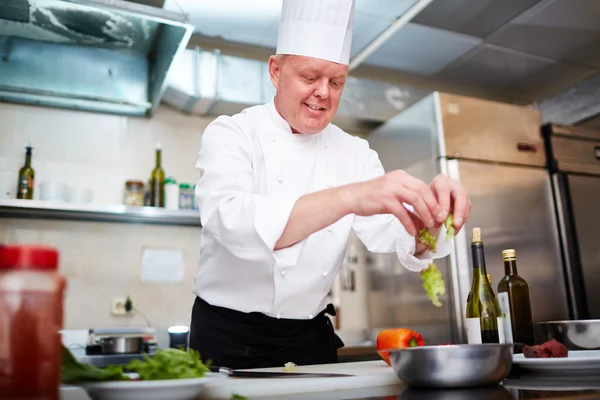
26, 177
157, 181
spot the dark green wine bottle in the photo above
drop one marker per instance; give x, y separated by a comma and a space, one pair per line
482, 315
26, 178
157, 181
514, 299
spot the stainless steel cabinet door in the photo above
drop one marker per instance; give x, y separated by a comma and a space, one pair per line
585, 199
513, 206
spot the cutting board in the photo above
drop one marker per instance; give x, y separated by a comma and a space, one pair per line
367, 374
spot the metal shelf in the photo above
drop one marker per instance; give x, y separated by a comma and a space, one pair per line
97, 212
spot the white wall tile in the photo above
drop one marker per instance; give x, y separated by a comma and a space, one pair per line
103, 260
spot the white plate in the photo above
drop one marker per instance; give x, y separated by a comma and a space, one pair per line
172, 389
577, 361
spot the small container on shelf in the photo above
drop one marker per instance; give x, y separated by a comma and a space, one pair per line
171, 194
186, 196
134, 193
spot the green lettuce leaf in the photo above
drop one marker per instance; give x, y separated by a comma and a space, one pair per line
72, 370
427, 239
169, 364
449, 227
433, 283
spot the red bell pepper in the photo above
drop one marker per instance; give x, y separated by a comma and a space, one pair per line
389, 339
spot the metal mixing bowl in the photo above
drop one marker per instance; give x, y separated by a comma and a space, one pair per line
576, 335
454, 366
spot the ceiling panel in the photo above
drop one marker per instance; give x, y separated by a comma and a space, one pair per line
588, 55
549, 80
554, 30
494, 68
421, 49
472, 17
385, 10
366, 28
240, 21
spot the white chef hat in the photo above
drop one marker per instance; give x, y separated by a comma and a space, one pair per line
317, 28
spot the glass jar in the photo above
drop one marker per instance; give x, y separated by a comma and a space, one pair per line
134, 193
186, 196
31, 317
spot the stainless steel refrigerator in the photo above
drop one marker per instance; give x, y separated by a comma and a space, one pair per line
574, 162
497, 152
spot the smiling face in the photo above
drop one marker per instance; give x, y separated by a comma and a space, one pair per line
308, 90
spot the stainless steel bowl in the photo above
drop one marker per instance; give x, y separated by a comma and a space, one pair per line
576, 334
455, 366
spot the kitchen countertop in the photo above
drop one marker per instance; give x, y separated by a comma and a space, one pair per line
380, 384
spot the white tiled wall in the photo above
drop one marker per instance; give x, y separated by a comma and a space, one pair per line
103, 260
100, 152
96, 151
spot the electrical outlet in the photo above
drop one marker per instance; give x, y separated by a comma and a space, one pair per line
118, 306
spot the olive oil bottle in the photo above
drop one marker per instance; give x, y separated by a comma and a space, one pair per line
514, 299
26, 177
482, 315
157, 181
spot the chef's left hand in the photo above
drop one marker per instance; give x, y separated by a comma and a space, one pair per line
453, 198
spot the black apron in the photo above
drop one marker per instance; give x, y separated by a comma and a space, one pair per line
238, 340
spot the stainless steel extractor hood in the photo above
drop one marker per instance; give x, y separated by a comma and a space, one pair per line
99, 55
209, 84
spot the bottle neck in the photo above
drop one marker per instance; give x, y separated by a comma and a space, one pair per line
510, 267
28, 158
478, 256
158, 158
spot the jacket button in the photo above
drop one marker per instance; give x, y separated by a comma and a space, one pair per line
280, 179
325, 273
278, 316
330, 229
282, 273
326, 145
274, 139
310, 316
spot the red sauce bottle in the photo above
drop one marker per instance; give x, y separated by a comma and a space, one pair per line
31, 316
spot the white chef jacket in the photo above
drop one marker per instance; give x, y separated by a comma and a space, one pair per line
253, 169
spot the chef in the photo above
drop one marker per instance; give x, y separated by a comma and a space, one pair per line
280, 190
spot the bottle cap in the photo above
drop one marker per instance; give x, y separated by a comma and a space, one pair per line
476, 235
509, 254
170, 180
184, 185
28, 257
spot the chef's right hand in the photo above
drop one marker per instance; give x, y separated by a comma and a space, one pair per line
386, 195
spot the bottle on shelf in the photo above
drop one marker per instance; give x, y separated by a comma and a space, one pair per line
171, 194
26, 177
482, 315
157, 181
514, 299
